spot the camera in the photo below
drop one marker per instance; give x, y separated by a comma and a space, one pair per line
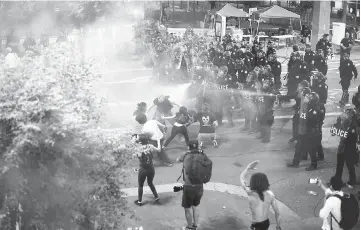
177, 188
313, 181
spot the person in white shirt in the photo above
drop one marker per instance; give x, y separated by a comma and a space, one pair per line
152, 129
11, 59
332, 204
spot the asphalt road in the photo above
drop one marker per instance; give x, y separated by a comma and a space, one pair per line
224, 206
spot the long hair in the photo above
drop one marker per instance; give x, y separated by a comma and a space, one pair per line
259, 184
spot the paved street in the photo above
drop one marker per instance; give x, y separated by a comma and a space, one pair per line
224, 205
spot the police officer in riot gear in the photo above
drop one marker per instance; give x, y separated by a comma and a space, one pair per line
270, 49
347, 128
309, 58
249, 106
324, 44
318, 85
241, 71
320, 63
265, 110
302, 90
249, 58
260, 59
311, 119
297, 73
347, 71
276, 69
217, 60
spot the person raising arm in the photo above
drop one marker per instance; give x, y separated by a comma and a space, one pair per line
260, 199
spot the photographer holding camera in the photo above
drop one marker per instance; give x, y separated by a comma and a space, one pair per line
340, 210
197, 170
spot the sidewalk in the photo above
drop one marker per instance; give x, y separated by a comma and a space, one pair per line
236, 150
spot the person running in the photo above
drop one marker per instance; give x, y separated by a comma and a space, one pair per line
182, 120
260, 199
146, 168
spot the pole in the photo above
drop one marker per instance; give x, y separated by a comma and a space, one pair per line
173, 13
356, 14
344, 11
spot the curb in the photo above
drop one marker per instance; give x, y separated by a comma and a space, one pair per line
210, 186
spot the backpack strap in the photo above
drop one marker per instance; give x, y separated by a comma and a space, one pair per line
332, 216
182, 173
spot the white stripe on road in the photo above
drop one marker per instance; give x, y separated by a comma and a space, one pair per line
210, 186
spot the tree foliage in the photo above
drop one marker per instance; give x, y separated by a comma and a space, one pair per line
63, 170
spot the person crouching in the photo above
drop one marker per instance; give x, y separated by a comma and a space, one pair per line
208, 124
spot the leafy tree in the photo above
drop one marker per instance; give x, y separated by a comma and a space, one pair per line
63, 171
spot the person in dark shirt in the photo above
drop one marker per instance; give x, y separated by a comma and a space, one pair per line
347, 71
270, 49
207, 128
164, 107
249, 106
309, 58
324, 44
345, 46
29, 42
276, 69
320, 63
182, 120
347, 151
310, 125
305, 32
146, 168
297, 73
265, 110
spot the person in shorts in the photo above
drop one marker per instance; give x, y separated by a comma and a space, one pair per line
192, 193
208, 124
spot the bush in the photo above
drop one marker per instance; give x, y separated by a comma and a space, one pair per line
63, 171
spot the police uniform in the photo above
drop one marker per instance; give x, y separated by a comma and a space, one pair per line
241, 71
297, 73
261, 59
310, 127
320, 63
217, 60
249, 59
309, 58
265, 114
347, 71
270, 50
347, 149
212, 53
323, 44
276, 69
250, 108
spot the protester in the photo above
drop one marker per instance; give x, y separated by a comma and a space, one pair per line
345, 46
146, 168
182, 120
207, 128
193, 160
156, 136
341, 210
260, 198
324, 44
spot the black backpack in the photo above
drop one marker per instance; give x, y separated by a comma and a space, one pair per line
350, 211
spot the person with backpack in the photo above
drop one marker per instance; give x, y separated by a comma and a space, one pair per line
146, 168
196, 171
260, 198
341, 210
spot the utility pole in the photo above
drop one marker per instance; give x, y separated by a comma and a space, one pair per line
173, 13
344, 11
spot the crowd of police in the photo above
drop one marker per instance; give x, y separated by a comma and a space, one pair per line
232, 76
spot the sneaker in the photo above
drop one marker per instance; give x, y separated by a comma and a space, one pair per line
292, 165
137, 202
215, 144
168, 164
311, 168
157, 200
136, 170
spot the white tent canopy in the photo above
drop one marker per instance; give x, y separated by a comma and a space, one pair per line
275, 12
230, 11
